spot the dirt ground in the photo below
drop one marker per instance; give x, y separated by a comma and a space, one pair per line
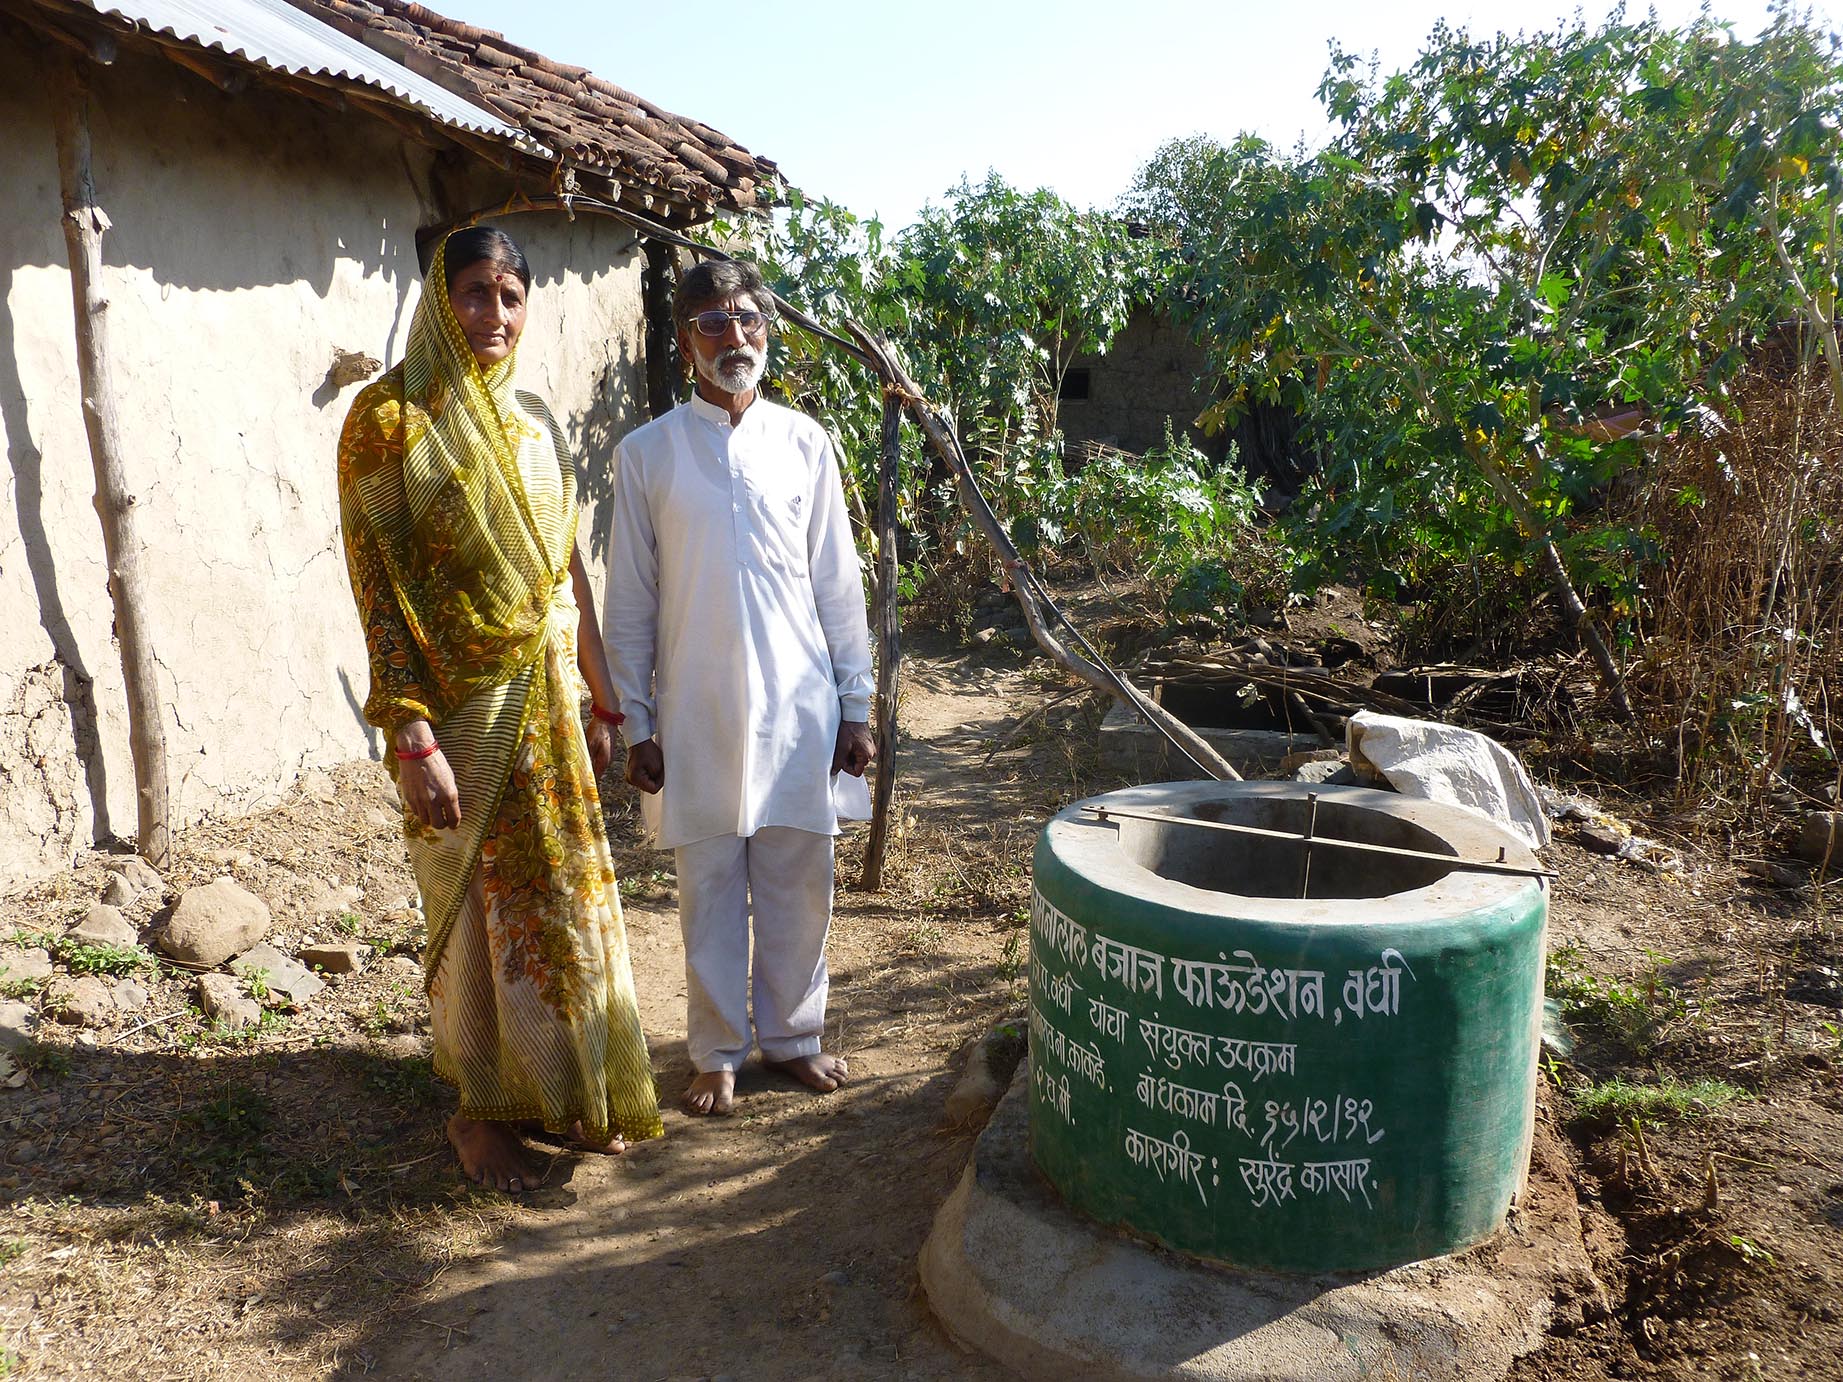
184, 1202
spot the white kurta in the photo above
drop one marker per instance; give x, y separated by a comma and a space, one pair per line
735, 618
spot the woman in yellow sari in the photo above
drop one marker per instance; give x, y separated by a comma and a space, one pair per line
458, 499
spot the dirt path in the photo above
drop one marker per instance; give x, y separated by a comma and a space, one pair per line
779, 1243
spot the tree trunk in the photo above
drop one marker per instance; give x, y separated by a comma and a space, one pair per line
889, 652
1559, 582
84, 224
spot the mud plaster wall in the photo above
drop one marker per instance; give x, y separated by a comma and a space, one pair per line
1148, 375
252, 236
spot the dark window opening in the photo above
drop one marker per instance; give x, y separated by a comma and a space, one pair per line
1074, 386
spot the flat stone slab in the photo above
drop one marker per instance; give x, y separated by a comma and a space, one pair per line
345, 958
1014, 1274
105, 925
284, 976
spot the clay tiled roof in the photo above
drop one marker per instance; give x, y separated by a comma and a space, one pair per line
592, 125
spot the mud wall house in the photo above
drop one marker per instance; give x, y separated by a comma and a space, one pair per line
266, 168
1122, 399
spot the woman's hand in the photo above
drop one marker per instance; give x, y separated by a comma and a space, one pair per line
600, 735
426, 782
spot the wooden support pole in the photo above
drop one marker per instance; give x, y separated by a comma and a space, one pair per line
889, 650
84, 224
661, 337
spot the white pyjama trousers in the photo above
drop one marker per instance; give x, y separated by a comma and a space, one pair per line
783, 876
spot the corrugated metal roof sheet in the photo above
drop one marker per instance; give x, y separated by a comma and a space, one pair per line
273, 34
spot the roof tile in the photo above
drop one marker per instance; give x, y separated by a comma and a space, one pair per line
591, 122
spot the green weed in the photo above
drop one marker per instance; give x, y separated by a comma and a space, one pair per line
1631, 1014
1620, 1101
1011, 958
1750, 1251
925, 935
43, 1059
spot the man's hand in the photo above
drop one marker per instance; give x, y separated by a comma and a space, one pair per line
428, 790
600, 735
646, 766
856, 749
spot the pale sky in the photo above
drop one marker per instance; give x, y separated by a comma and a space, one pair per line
884, 107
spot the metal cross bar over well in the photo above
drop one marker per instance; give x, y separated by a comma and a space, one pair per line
1310, 840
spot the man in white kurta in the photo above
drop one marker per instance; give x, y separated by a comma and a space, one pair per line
735, 622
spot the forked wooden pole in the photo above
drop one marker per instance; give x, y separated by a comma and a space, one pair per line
889, 645
84, 224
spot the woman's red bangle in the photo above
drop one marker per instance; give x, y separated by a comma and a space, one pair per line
609, 717
417, 753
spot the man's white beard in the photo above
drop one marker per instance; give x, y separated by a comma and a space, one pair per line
735, 371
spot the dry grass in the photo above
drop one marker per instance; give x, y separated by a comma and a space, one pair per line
1741, 632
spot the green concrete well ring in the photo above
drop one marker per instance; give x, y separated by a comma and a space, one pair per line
1343, 1083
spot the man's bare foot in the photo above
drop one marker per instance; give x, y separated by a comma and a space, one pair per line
713, 1091
824, 1072
490, 1154
614, 1146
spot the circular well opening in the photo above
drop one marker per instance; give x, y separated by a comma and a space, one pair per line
1260, 866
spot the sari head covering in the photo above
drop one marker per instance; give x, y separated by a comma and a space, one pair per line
449, 515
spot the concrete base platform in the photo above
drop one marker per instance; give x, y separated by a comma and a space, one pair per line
1014, 1275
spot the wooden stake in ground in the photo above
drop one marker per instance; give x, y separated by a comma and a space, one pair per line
84, 224
889, 651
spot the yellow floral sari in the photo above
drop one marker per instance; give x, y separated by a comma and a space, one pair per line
458, 502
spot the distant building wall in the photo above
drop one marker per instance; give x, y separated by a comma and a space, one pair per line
253, 235
1149, 374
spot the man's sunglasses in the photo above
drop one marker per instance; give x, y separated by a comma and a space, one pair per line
715, 323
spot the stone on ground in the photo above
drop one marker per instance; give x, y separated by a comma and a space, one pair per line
17, 1023
285, 977
214, 922
129, 997
331, 899
1601, 839
345, 958
1331, 772
1820, 837
105, 925
81, 1001
22, 966
222, 997
983, 1083
118, 891
139, 873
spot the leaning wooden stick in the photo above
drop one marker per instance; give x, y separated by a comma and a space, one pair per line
947, 447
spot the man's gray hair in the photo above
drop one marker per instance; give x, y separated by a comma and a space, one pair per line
713, 280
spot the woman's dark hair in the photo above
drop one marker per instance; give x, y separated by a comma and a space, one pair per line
470, 246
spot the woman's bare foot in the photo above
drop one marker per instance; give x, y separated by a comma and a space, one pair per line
713, 1091
614, 1146
823, 1072
490, 1154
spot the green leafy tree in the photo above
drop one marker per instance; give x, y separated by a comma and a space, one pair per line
1504, 244
989, 296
